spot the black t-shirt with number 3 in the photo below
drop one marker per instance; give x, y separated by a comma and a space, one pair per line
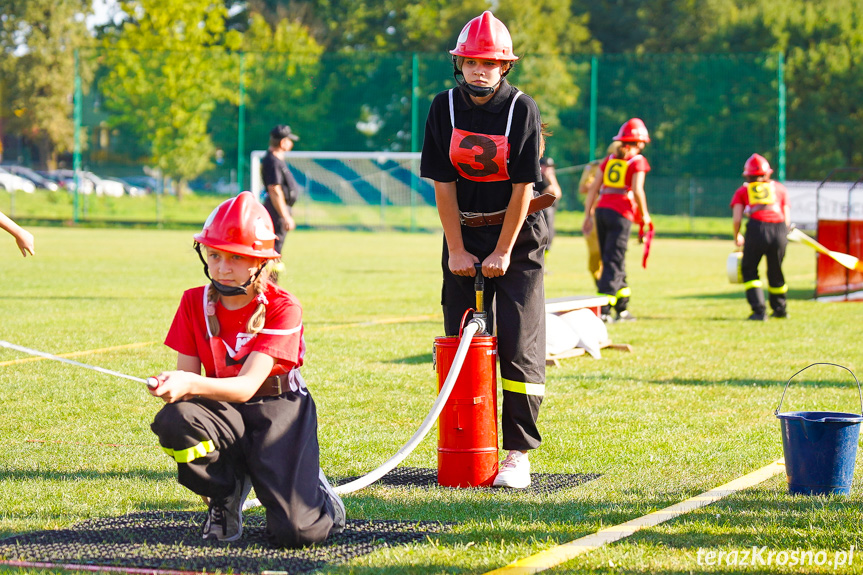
490, 118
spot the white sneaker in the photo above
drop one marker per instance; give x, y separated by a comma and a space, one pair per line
339, 516
514, 472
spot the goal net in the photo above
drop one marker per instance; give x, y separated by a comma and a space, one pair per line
356, 189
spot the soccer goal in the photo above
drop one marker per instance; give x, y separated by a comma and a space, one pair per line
356, 189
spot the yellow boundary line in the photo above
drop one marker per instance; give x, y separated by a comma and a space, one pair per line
563, 553
146, 343
384, 321
78, 353
378, 322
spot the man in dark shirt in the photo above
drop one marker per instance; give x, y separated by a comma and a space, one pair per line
281, 188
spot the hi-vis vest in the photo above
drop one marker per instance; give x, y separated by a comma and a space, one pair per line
480, 157
761, 196
614, 175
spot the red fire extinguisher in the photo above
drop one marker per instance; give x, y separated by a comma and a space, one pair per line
467, 426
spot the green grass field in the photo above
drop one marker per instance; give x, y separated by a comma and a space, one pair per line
689, 409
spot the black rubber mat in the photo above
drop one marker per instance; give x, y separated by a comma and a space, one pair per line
171, 541
543, 483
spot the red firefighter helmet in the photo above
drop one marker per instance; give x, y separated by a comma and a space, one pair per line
633, 130
757, 165
242, 226
484, 37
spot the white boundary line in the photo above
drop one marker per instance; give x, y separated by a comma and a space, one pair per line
563, 553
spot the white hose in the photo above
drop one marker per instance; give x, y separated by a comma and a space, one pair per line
150, 381
361, 482
469, 331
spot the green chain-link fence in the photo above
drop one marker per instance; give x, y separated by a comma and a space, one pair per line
199, 115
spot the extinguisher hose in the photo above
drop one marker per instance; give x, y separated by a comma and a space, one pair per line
470, 330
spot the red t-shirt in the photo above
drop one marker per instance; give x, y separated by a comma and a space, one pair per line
281, 338
621, 202
763, 201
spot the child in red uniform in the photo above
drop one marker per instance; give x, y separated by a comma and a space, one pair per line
621, 199
766, 204
249, 421
588, 176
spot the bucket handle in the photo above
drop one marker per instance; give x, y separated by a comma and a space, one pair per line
859, 393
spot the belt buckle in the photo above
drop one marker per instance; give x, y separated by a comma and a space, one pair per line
278, 385
464, 216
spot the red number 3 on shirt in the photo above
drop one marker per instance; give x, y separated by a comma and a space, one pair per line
479, 157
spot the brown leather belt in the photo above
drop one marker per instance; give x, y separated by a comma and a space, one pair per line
273, 385
479, 219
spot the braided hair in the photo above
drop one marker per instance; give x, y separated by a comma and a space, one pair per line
258, 317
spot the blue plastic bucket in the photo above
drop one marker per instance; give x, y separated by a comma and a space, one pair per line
820, 446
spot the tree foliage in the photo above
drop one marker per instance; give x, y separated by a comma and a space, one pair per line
38, 39
169, 76
279, 66
547, 35
168, 66
823, 43
821, 40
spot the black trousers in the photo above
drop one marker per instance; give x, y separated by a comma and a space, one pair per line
764, 240
278, 224
613, 231
549, 222
519, 299
273, 440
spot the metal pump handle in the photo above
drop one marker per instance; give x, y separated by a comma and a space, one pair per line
479, 288
479, 311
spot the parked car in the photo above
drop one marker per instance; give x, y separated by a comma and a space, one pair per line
223, 186
66, 179
148, 184
13, 183
51, 176
107, 186
38, 179
90, 183
128, 188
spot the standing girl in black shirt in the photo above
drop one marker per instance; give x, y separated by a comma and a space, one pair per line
482, 147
